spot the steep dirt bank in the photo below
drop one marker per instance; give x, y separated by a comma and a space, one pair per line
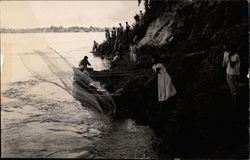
190, 38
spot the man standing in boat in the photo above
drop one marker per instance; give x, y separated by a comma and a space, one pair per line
84, 63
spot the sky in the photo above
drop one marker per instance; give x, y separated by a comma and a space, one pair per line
31, 14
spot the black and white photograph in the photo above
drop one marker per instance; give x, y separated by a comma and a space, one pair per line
125, 79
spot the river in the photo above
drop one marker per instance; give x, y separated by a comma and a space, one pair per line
40, 119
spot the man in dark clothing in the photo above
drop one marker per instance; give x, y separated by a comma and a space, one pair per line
127, 26
120, 31
127, 31
114, 33
121, 27
107, 35
141, 18
84, 63
95, 46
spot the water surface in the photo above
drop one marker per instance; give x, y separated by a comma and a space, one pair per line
40, 118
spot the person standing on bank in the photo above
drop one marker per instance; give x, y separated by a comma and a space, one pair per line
132, 52
231, 61
127, 30
140, 18
115, 60
166, 88
120, 31
95, 46
107, 34
114, 32
113, 35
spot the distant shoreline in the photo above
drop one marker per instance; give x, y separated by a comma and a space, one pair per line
46, 32
53, 29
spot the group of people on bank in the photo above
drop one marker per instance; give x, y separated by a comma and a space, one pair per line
119, 36
166, 89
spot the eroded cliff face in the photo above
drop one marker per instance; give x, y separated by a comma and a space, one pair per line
190, 37
199, 23
159, 31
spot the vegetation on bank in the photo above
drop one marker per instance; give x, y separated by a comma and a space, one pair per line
53, 29
201, 120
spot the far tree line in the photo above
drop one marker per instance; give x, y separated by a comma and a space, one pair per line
53, 29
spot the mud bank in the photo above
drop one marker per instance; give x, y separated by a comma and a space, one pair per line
200, 121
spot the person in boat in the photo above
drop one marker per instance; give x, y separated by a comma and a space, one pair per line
166, 88
132, 52
95, 46
231, 60
84, 63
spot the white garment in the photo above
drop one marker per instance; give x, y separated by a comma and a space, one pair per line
133, 56
140, 18
234, 58
116, 57
165, 86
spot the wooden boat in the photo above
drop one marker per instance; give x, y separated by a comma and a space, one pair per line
90, 95
103, 74
104, 99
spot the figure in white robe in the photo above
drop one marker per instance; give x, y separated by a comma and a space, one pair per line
166, 88
132, 54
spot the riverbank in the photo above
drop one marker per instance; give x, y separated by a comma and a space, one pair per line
200, 121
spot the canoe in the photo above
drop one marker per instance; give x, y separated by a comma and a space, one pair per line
90, 95
102, 74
